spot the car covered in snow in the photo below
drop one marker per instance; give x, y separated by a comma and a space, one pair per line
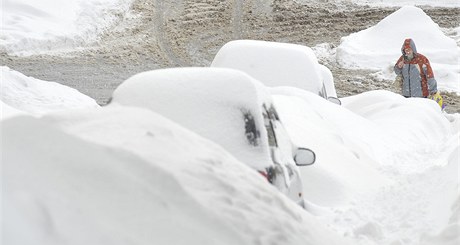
278, 64
228, 107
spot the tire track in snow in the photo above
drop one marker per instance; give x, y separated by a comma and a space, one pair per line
159, 32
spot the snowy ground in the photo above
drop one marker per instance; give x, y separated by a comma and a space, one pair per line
30, 27
387, 169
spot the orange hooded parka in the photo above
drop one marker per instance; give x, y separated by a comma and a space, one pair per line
417, 75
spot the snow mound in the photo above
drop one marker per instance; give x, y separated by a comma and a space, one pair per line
8, 111
32, 27
127, 174
75, 192
38, 97
346, 161
379, 47
423, 121
378, 156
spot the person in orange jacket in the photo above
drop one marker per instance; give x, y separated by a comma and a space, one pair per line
415, 70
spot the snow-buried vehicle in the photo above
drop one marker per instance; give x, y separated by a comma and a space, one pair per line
228, 107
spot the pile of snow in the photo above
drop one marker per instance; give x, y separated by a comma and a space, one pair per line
379, 47
387, 167
8, 111
31, 27
37, 97
117, 174
65, 190
345, 157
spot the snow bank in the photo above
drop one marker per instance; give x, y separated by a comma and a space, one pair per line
379, 47
389, 165
31, 27
123, 174
38, 97
68, 191
448, 192
8, 111
418, 118
405, 123
347, 158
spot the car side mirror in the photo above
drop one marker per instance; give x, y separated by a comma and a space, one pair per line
334, 100
304, 157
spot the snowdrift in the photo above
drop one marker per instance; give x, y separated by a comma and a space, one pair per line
38, 97
118, 174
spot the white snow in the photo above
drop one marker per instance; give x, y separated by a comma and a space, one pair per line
123, 174
66, 190
44, 26
387, 167
37, 97
74, 173
8, 111
270, 63
379, 47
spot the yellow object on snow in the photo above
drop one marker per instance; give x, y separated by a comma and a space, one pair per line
438, 98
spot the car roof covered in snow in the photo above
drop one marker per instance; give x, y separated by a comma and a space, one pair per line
272, 63
212, 102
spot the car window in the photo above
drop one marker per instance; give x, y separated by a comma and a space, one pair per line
251, 132
270, 116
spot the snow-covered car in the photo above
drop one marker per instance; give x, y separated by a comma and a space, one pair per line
278, 64
228, 107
